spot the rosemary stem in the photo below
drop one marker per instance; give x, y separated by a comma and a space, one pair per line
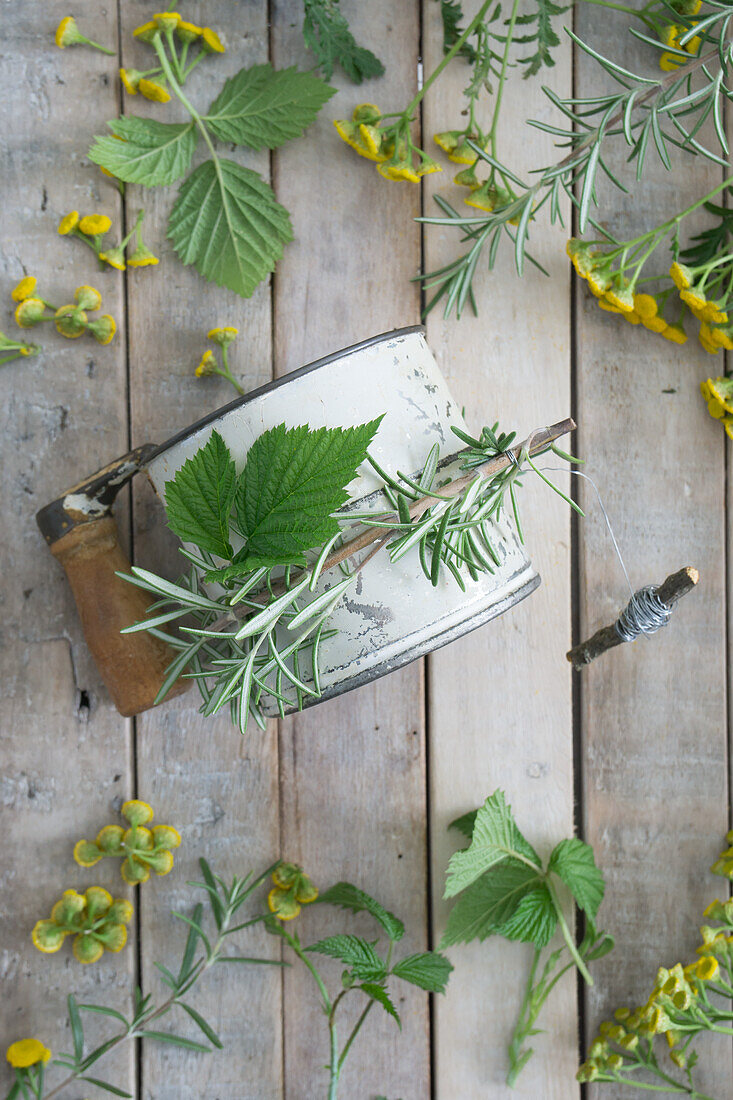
408, 111
502, 77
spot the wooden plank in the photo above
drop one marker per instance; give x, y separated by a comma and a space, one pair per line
654, 758
218, 789
65, 750
353, 769
500, 700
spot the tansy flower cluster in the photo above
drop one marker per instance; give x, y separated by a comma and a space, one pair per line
68, 34
179, 35
141, 849
209, 364
675, 1008
97, 921
390, 144
292, 889
715, 331
616, 294
670, 34
93, 227
71, 320
718, 395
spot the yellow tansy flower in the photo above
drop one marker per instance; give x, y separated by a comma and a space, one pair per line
86, 949
47, 936
86, 854
654, 324
146, 31
24, 289
223, 336
210, 41
29, 312
71, 321
646, 306
188, 32
137, 812
130, 79
151, 89
208, 364
103, 329
142, 257
706, 968
95, 225
68, 222
682, 276
675, 333
27, 1052
167, 20
87, 297
115, 257
621, 297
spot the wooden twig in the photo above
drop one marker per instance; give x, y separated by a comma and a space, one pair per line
669, 592
538, 441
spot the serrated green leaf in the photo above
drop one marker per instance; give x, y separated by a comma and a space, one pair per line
573, 861
199, 499
346, 896
495, 838
465, 823
263, 108
354, 952
292, 481
488, 902
534, 920
151, 153
379, 993
326, 32
428, 970
228, 224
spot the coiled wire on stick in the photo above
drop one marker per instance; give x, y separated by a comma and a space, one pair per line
645, 613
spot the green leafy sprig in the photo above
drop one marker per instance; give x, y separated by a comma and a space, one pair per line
504, 889
327, 34
648, 113
268, 534
367, 969
202, 951
225, 220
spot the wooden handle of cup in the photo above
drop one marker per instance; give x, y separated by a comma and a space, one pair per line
132, 665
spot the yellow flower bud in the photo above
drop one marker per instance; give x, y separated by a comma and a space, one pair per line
24, 289
87, 948
86, 854
142, 257
153, 90
188, 32
67, 33
27, 1052
103, 329
47, 936
167, 20
682, 276
115, 257
95, 225
68, 222
223, 336
210, 41
208, 365
131, 79
146, 31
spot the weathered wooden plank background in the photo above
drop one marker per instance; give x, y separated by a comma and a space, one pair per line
362, 787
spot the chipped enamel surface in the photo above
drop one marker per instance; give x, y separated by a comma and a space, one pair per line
391, 614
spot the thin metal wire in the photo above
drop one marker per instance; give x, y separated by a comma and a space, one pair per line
645, 613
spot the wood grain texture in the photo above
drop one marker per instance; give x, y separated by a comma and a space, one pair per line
653, 714
66, 755
198, 773
500, 699
353, 770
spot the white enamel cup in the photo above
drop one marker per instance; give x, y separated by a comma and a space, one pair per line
392, 614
